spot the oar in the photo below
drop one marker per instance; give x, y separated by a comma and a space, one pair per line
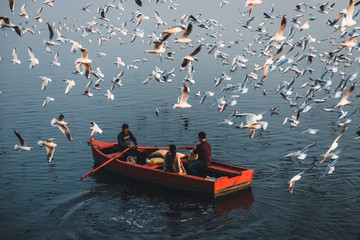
94, 170
187, 147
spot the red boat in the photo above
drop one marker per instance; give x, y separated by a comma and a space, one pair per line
220, 178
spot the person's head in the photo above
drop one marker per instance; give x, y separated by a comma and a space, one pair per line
125, 127
172, 148
202, 135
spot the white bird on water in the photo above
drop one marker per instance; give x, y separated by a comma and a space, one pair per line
50, 147
22, 146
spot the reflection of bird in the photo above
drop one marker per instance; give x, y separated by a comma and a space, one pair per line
95, 129
293, 180
182, 100
22, 146
50, 147
62, 126
333, 145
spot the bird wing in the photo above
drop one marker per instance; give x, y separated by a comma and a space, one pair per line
21, 139
65, 130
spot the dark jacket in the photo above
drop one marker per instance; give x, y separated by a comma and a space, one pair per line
124, 140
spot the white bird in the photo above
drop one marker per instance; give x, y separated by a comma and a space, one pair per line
117, 81
33, 60
159, 21
190, 58
279, 36
45, 82
15, 57
95, 129
47, 100
251, 4
85, 62
182, 100
22, 146
311, 131
97, 84
109, 95
70, 84
50, 147
38, 16
344, 100
293, 180
136, 34
300, 154
205, 95
329, 169
185, 36
87, 90
224, 77
252, 122
333, 145
23, 12
62, 126
159, 46
119, 62
85, 8
56, 60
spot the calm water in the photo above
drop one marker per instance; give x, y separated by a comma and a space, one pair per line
41, 200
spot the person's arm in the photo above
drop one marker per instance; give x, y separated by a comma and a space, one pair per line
133, 139
121, 140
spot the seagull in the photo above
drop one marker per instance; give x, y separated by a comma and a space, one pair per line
344, 100
346, 120
279, 36
223, 77
22, 146
185, 36
136, 34
333, 145
270, 61
23, 12
190, 57
95, 129
33, 60
293, 180
47, 100
329, 169
86, 7
311, 131
109, 95
56, 60
182, 100
159, 21
251, 4
97, 84
205, 95
12, 5
87, 90
85, 62
15, 57
45, 82
6, 23
159, 46
119, 62
62, 126
38, 16
348, 20
50, 147
252, 122
300, 154
174, 30
70, 84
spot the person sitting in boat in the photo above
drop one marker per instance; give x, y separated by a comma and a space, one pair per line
125, 138
172, 161
203, 149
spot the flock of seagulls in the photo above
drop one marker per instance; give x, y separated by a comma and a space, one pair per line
290, 51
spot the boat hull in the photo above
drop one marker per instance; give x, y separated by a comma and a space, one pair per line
229, 178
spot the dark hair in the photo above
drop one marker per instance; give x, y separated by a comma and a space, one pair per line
172, 148
202, 135
125, 126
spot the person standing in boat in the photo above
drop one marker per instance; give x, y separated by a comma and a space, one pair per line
172, 161
125, 138
203, 149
